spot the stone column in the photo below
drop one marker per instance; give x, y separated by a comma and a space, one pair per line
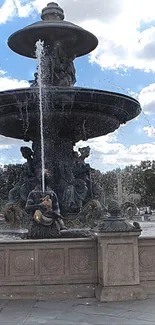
118, 262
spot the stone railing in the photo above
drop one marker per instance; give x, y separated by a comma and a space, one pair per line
146, 246
63, 268
112, 266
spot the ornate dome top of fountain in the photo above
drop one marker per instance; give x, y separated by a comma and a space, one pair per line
75, 40
52, 12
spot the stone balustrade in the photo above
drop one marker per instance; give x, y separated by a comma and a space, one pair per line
146, 247
63, 268
106, 267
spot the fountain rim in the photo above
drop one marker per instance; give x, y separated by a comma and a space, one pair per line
113, 107
71, 89
52, 240
13, 41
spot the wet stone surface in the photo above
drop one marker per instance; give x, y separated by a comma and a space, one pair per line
75, 312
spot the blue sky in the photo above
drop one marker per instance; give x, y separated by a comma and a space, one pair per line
123, 62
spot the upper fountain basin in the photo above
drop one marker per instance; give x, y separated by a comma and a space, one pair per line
75, 40
76, 113
52, 29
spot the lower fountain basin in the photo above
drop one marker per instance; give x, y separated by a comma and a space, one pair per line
76, 233
9, 234
76, 113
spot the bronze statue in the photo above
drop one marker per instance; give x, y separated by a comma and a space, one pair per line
44, 213
14, 210
13, 215
83, 171
64, 70
57, 68
28, 174
34, 83
72, 190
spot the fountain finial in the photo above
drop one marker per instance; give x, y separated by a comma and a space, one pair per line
52, 12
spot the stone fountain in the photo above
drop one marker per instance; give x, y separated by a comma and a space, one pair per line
70, 113
105, 264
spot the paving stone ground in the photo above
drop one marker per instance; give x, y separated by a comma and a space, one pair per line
77, 312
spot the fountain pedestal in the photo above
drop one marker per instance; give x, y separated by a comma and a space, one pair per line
118, 260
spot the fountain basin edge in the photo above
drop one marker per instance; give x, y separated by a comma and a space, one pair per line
101, 112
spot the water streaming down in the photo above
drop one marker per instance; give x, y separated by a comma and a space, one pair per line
39, 55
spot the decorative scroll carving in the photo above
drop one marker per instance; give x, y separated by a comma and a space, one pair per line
114, 222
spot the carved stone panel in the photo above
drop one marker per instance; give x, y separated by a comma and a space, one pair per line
35, 263
122, 256
147, 258
21, 263
80, 260
51, 262
2, 263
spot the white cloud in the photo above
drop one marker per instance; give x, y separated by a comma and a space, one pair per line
129, 48
4, 146
115, 22
10, 148
150, 131
121, 43
7, 142
23, 9
13, 8
147, 99
2, 72
7, 83
108, 153
7, 11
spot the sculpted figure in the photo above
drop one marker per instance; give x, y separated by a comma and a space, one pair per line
57, 68
72, 190
83, 171
18, 194
64, 71
28, 174
14, 209
13, 215
34, 83
44, 213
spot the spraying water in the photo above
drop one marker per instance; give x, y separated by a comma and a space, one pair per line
39, 55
